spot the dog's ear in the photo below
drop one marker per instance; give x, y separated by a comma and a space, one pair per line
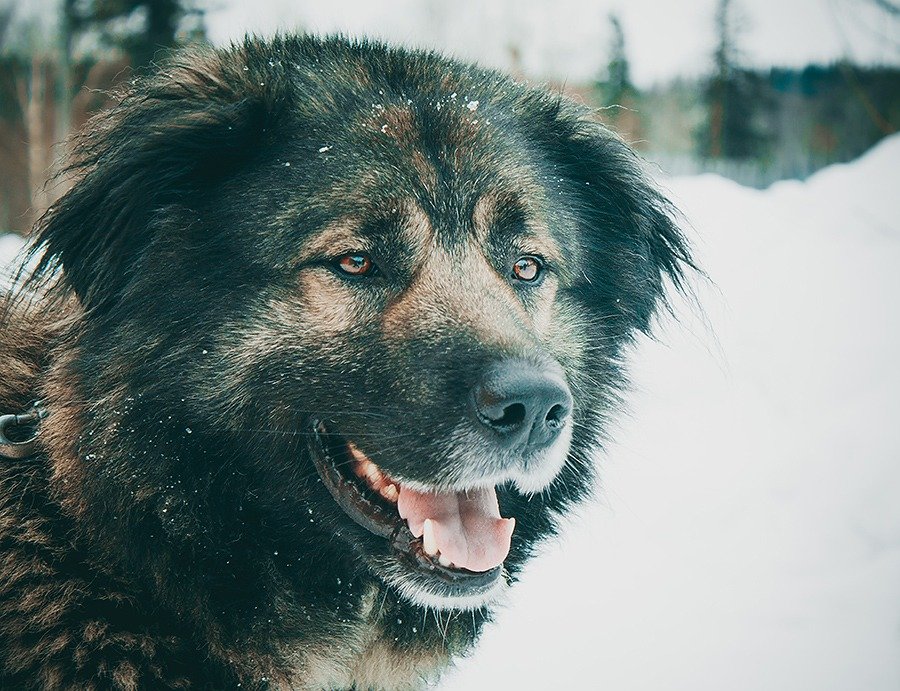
631, 242
169, 137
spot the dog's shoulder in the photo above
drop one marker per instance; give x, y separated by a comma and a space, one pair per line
64, 621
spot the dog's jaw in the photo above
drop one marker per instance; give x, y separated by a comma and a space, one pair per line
419, 593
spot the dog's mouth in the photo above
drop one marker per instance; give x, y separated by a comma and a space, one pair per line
456, 539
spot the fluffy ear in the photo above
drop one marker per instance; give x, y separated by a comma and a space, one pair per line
168, 137
632, 243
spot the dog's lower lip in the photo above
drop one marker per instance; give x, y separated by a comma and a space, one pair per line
382, 522
370, 516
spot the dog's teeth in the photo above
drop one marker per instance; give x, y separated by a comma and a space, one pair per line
428, 541
373, 473
367, 470
358, 455
390, 492
376, 480
361, 468
443, 561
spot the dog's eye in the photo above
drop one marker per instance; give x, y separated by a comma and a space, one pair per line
355, 264
528, 268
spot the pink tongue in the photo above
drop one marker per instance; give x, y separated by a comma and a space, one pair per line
467, 525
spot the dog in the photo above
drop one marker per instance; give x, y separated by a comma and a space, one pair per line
325, 333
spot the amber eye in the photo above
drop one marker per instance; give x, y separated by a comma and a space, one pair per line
355, 264
528, 268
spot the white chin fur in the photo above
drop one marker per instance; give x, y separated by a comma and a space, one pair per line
533, 481
534, 477
422, 596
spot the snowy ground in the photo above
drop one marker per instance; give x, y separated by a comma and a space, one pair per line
9, 246
748, 532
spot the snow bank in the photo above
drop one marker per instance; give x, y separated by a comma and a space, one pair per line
10, 245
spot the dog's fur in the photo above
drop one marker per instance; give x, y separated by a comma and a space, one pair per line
184, 322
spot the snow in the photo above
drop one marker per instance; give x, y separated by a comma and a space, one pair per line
10, 245
747, 534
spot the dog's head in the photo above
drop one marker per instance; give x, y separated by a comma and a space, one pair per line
389, 291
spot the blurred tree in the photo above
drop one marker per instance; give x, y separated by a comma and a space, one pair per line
6, 13
50, 50
618, 80
732, 95
26, 120
64, 88
616, 93
140, 28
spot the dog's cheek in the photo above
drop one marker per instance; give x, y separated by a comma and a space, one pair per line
313, 332
566, 335
324, 309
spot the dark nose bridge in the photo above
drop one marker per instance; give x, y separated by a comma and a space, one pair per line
460, 295
467, 335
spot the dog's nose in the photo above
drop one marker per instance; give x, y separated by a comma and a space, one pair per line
522, 404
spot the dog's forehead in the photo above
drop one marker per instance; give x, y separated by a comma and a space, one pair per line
442, 182
438, 157
402, 226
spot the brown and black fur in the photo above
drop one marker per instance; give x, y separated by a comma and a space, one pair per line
172, 532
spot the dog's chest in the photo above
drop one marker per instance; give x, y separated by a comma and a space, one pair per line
367, 657
377, 664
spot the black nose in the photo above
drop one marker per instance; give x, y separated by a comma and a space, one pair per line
522, 404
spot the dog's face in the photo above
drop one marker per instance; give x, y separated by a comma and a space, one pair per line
394, 288
420, 335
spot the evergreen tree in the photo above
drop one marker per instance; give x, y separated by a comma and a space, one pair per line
732, 97
140, 28
618, 80
615, 91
